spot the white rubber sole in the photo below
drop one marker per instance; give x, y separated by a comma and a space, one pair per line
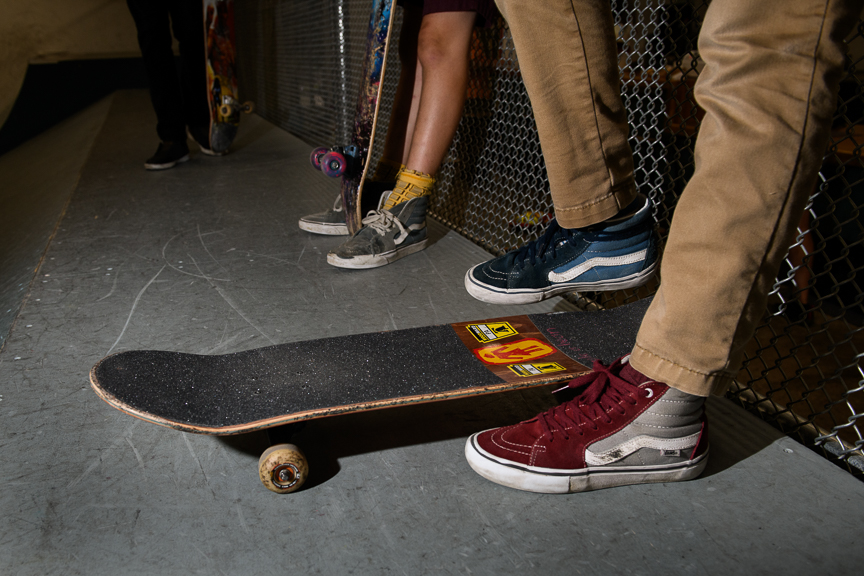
165, 166
553, 481
375, 260
322, 228
530, 296
209, 152
205, 151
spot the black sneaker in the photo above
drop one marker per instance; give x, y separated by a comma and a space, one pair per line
167, 156
616, 254
201, 136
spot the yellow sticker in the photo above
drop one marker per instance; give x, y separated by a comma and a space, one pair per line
491, 331
528, 370
514, 352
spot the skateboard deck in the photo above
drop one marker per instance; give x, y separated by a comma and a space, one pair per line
288, 383
225, 106
351, 162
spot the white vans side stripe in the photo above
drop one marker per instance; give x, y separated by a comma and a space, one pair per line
630, 446
577, 271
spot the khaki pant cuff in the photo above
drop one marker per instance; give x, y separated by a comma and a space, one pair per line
680, 377
596, 211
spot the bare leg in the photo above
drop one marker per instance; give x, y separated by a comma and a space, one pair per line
399, 228
442, 53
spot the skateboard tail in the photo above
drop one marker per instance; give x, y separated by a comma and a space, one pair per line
222, 136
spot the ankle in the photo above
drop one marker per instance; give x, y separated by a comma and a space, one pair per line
681, 404
409, 184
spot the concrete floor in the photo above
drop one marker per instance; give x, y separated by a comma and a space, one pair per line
207, 258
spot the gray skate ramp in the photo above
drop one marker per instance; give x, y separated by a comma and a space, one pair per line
37, 180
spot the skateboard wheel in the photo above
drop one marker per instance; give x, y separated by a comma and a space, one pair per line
333, 164
316, 156
283, 468
225, 110
248, 107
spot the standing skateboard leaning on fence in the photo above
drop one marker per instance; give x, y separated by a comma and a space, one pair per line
768, 90
433, 50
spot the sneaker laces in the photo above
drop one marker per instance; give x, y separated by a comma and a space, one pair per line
383, 221
555, 236
548, 243
337, 205
604, 392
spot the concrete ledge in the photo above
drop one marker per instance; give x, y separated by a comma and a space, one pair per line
38, 179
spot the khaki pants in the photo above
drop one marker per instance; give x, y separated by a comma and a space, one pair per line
768, 90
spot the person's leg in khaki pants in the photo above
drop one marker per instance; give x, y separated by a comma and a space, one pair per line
768, 91
568, 58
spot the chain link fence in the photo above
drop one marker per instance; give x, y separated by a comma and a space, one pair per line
300, 62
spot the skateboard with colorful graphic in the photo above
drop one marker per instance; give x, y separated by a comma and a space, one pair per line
290, 383
351, 162
225, 106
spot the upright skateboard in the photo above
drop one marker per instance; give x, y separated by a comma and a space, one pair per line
220, 45
351, 162
288, 383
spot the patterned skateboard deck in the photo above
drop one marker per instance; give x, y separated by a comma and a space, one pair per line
265, 387
368, 106
220, 42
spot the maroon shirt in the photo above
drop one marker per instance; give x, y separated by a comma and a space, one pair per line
486, 11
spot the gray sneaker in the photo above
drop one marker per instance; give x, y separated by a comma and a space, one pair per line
332, 221
386, 236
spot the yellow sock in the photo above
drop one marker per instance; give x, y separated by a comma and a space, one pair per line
409, 184
386, 170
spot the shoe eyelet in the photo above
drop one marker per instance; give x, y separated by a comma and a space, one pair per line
649, 392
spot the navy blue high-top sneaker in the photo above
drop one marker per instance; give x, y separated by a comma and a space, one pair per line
616, 254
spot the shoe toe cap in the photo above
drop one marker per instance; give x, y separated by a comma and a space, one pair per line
510, 443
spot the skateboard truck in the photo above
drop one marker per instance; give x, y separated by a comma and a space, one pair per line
231, 105
338, 161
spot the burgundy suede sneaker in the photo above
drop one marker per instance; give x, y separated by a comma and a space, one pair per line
623, 428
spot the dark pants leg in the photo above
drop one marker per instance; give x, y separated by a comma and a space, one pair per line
187, 19
176, 102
